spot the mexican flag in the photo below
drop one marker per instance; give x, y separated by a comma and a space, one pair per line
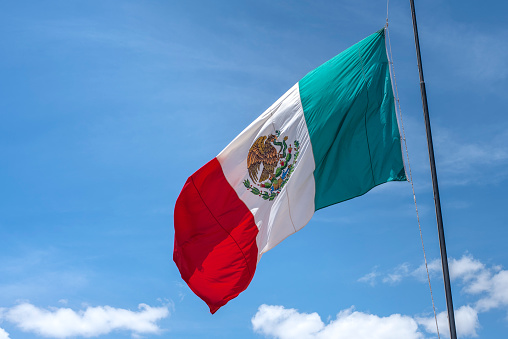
332, 137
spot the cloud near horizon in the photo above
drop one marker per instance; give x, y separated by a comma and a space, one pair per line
282, 323
4, 334
466, 322
91, 322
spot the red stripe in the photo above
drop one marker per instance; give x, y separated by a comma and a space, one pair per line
215, 237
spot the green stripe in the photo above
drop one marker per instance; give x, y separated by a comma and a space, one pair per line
350, 114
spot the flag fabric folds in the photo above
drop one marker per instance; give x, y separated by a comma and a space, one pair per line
332, 137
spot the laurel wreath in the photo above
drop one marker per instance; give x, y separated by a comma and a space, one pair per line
271, 195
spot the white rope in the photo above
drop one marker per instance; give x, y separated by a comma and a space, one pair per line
398, 108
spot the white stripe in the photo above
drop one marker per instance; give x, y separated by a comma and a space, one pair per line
294, 206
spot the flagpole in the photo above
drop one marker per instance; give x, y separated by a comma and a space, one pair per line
442, 245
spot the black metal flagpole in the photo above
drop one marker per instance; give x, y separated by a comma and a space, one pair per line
442, 245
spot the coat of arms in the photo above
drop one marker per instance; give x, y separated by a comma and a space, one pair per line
270, 168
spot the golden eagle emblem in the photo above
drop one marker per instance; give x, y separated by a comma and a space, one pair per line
273, 166
262, 152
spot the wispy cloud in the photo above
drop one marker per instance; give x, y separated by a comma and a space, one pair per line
463, 161
469, 54
475, 275
397, 274
420, 273
370, 278
191, 50
91, 322
463, 157
37, 272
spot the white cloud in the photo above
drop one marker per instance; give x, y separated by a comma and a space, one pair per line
466, 323
286, 323
282, 323
4, 334
488, 284
471, 273
491, 284
93, 321
497, 288
466, 267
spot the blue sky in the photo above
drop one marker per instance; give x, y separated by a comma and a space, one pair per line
107, 107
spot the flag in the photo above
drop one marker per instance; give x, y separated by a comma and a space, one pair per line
332, 137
